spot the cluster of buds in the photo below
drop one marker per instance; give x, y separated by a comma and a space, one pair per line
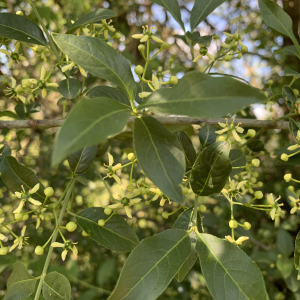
234, 224
284, 156
14, 55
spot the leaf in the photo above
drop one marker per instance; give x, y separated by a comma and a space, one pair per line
294, 127
203, 96
20, 283
106, 271
102, 149
92, 17
19, 28
238, 159
110, 92
290, 72
275, 17
289, 96
185, 219
80, 160
4, 151
297, 251
15, 175
284, 242
288, 50
197, 39
201, 9
256, 145
229, 272
98, 58
211, 169
187, 147
116, 235
187, 128
69, 88
151, 266
160, 156
56, 287
95, 120
207, 135
10, 114
173, 8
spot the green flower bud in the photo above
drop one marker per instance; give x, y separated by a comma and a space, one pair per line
227, 57
109, 44
139, 70
185, 190
270, 82
165, 215
251, 133
71, 226
118, 35
84, 233
216, 37
287, 177
202, 208
255, 162
3, 251
101, 222
49, 191
244, 49
247, 226
291, 188
141, 47
20, 13
255, 174
18, 216
39, 250
284, 157
25, 217
173, 80
253, 179
203, 51
258, 195
233, 224
130, 188
131, 156
296, 92
107, 211
260, 184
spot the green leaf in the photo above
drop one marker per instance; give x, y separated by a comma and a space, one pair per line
284, 265
56, 287
160, 156
110, 92
116, 235
20, 283
69, 88
211, 169
275, 17
188, 129
173, 8
290, 72
294, 127
93, 17
4, 151
207, 135
297, 251
10, 114
106, 271
230, 274
288, 50
201, 9
238, 159
256, 145
284, 242
98, 58
289, 96
187, 147
203, 96
80, 160
197, 39
102, 149
95, 120
184, 221
15, 175
152, 265
19, 28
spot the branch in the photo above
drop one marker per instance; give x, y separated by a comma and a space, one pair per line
269, 124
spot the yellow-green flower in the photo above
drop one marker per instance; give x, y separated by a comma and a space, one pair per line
68, 245
111, 169
20, 241
14, 55
14, 91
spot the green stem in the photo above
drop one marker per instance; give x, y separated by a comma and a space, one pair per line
47, 262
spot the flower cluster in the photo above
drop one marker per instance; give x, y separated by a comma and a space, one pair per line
284, 156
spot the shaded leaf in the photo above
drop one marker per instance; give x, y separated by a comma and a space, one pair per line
294, 127
297, 251
256, 145
184, 221
288, 50
69, 88
207, 135
211, 169
95, 120
4, 151
10, 114
284, 242
116, 235
19, 28
187, 147
290, 72
203, 96
102, 149
289, 96
197, 39
152, 265
106, 271
238, 159
160, 156
56, 287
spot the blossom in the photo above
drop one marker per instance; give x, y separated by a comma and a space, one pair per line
147, 35
14, 55
39, 216
70, 66
234, 188
68, 245
20, 241
274, 205
14, 91
111, 170
232, 128
295, 203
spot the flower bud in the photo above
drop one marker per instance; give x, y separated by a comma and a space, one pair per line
131, 156
270, 82
139, 70
18, 216
144, 94
185, 190
25, 217
293, 147
244, 49
251, 133
291, 188
71, 226
84, 233
227, 57
253, 179
118, 35
20, 13
260, 184
156, 39
3, 251
39, 250
258, 195
49, 191
284, 157
255, 162
101, 222
203, 51
165, 215
216, 37
141, 47
247, 226
107, 211
233, 224
287, 177
130, 188
296, 92
202, 208
173, 80
221, 138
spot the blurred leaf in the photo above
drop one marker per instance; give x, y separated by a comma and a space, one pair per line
294, 127
92, 17
106, 271
98, 58
207, 135
95, 120
102, 149
19, 28
188, 129
238, 159
284, 242
148, 271
4, 151
290, 72
10, 114
201, 9
197, 39
256, 145
160, 156
211, 169
80, 160
203, 96
229, 272
285, 266
289, 96
20, 283
15, 175
69, 88
56, 287
116, 235
288, 50
20, 110
109, 92
297, 251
